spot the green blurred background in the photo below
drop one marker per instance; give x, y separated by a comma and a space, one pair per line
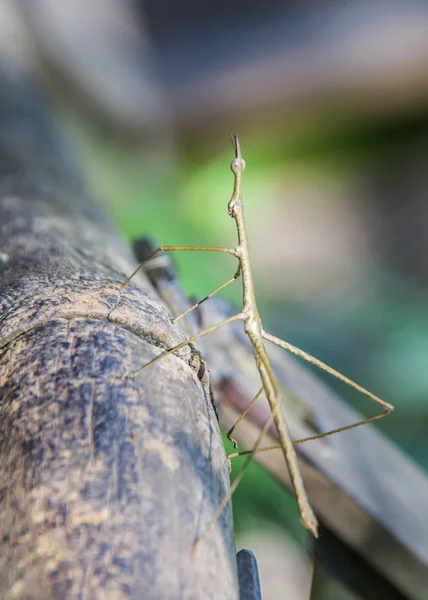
331, 104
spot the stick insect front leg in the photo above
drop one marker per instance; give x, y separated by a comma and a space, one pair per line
200, 333
176, 249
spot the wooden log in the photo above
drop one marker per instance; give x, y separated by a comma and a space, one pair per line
105, 482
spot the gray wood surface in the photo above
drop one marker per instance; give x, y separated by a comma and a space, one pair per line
105, 482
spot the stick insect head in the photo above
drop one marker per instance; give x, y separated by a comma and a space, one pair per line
238, 163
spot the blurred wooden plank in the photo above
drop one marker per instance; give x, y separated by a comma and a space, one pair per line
323, 62
329, 62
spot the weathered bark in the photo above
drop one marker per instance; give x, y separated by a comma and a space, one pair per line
105, 482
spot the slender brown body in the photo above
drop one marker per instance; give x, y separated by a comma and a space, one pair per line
254, 330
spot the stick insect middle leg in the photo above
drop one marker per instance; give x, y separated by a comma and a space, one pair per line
216, 291
189, 340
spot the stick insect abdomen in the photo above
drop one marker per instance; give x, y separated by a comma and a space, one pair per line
270, 386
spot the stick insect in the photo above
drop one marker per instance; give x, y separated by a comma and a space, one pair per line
253, 327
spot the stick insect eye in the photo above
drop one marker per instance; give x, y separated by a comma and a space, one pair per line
237, 165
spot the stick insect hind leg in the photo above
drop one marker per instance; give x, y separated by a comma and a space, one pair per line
324, 367
388, 408
237, 479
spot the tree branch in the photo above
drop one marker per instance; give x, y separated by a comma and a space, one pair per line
106, 482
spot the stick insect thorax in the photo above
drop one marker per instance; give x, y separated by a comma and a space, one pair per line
254, 330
